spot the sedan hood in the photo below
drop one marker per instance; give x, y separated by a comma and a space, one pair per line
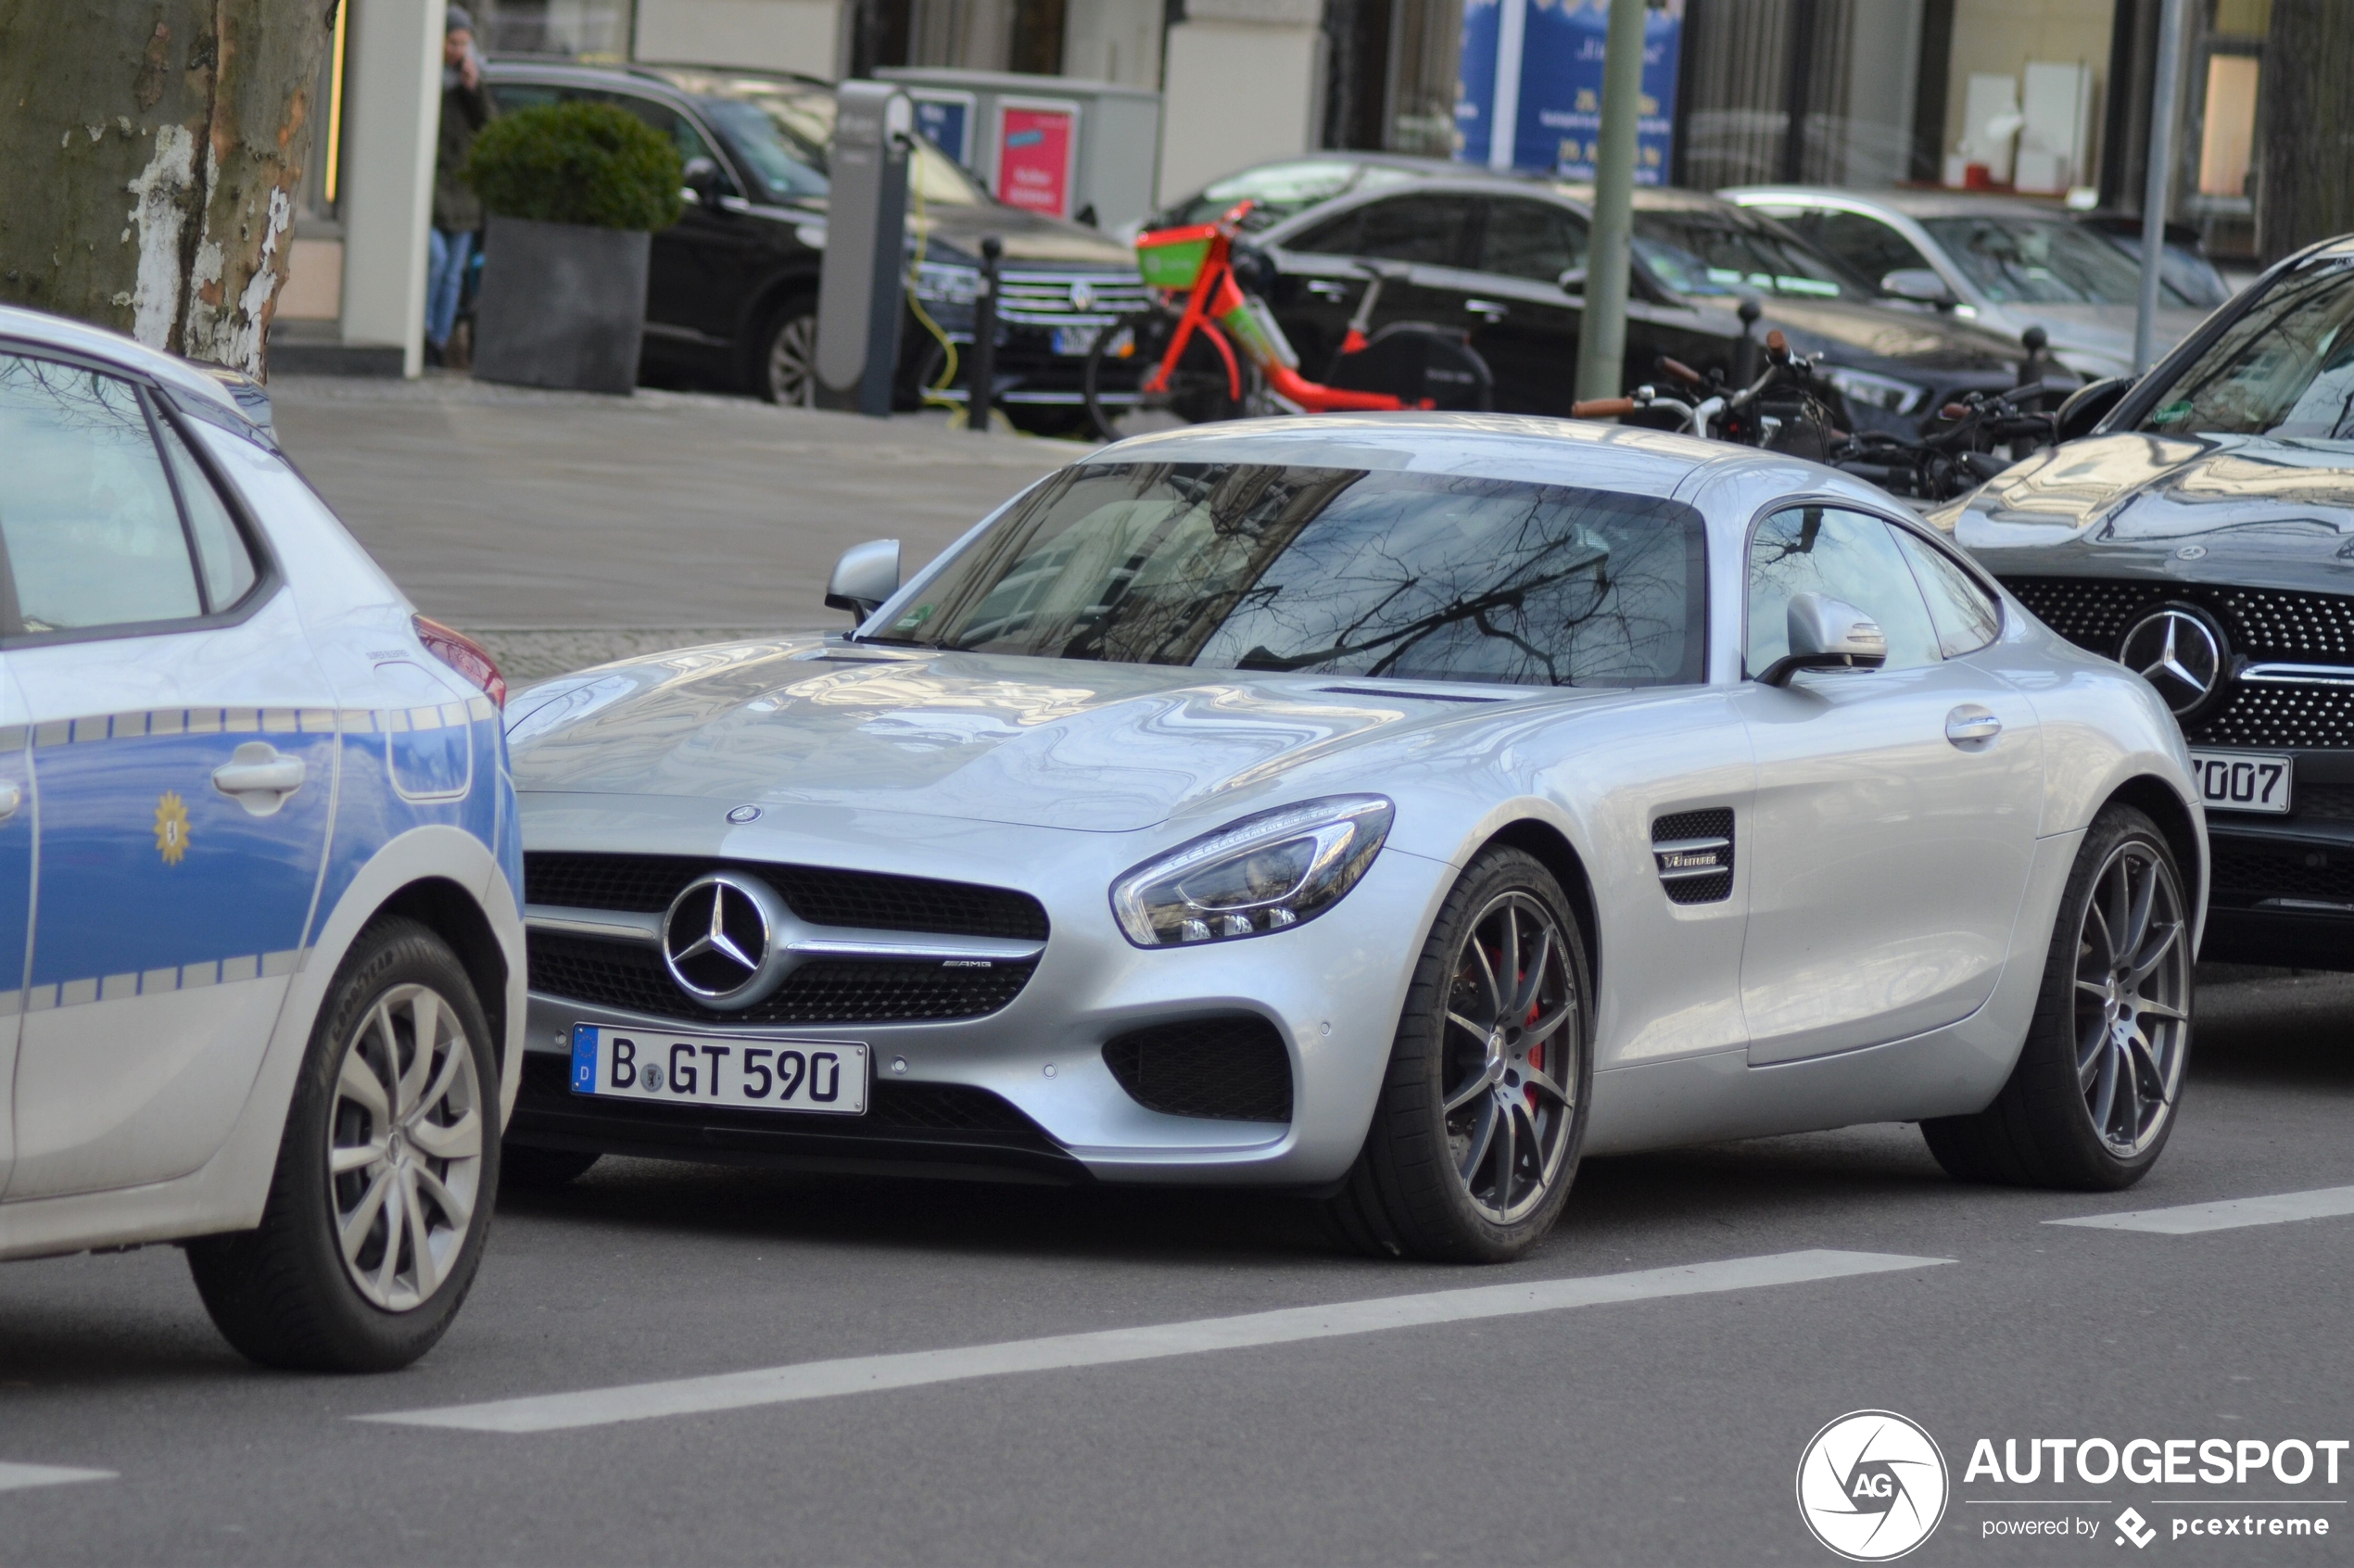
2102, 335
1034, 743
1864, 334
1029, 238
2250, 509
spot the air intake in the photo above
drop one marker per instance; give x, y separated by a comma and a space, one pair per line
1694, 850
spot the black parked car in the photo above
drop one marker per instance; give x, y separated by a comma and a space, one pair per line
2203, 534
1489, 252
733, 296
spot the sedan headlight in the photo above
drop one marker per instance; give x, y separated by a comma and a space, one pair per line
1265, 873
1879, 391
946, 283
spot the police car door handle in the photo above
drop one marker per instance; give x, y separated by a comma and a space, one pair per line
259, 776
11, 797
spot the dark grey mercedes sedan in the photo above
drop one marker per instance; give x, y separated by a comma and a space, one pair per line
2203, 534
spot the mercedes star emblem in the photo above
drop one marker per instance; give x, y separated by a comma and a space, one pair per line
716, 937
2179, 651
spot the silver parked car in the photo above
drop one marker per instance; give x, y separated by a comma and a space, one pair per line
2003, 262
1392, 808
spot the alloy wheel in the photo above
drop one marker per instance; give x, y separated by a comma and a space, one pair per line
2133, 982
793, 362
1508, 1073
404, 1147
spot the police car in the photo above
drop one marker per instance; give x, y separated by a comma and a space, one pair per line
263, 971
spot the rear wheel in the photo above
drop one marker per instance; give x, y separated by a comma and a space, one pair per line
785, 363
1125, 356
2092, 1100
1475, 1137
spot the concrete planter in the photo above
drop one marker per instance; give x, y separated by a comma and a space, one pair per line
561, 305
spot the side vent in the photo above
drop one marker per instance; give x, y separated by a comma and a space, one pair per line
1695, 854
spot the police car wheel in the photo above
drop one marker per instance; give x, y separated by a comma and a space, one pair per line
2090, 1102
1477, 1134
524, 1169
386, 1171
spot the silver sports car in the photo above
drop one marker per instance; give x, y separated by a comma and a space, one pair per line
1391, 809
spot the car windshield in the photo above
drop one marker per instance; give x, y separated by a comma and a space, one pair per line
1278, 190
1725, 251
1334, 571
2285, 368
781, 135
2041, 261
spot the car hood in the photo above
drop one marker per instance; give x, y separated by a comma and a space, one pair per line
1028, 741
1853, 334
2100, 333
1028, 237
2255, 511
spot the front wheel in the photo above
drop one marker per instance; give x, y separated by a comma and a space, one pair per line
1126, 354
1476, 1136
2092, 1099
385, 1176
785, 359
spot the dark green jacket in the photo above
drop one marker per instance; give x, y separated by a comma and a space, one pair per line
455, 206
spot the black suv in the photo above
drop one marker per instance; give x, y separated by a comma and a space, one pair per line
733, 296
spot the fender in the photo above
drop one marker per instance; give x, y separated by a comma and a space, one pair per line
228, 1191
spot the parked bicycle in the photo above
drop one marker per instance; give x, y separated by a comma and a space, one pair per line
1211, 349
1783, 408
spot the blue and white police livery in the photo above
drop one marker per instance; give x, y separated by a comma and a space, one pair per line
261, 969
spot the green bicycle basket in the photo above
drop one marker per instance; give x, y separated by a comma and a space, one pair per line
1174, 258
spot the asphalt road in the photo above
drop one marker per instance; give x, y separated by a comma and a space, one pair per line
1665, 1428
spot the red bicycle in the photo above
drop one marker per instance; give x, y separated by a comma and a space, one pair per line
1180, 356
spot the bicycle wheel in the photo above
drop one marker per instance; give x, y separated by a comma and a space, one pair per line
1124, 356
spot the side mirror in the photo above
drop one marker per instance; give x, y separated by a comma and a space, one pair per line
1573, 280
1919, 285
864, 577
1827, 634
702, 181
2089, 404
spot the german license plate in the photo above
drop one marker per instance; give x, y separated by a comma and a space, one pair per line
2243, 781
1073, 340
694, 1069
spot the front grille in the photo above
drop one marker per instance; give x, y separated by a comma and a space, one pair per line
1715, 823
2331, 802
2264, 626
1233, 1068
645, 884
1050, 298
2246, 873
632, 978
918, 1111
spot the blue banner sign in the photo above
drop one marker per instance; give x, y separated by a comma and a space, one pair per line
1538, 65
946, 119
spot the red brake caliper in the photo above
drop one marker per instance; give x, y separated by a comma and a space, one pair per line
1536, 1053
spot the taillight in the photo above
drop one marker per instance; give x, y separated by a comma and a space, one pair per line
465, 655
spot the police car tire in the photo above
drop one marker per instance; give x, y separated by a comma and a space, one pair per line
280, 1293
523, 1167
1402, 1197
2036, 1134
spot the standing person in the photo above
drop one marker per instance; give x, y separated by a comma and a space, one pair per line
457, 211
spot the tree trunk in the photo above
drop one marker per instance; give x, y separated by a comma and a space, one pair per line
2308, 98
155, 148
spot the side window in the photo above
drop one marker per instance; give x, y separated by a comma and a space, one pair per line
1531, 239
1429, 229
662, 118
1965, 615
94, 535
221, 557
1866, 244
1842, 555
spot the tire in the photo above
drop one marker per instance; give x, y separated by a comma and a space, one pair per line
2091, 1103
524, 1169
1124, 354
1430, 1183
287, 1294
784, 364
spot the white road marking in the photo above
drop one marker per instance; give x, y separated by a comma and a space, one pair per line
2231, 1214
15, 1477
867, 1374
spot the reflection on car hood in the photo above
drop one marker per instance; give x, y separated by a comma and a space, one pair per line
1040, 742
2104, 330
2255, 511
1854, 333
1027, 236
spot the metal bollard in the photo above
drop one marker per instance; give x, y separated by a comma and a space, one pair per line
983, 382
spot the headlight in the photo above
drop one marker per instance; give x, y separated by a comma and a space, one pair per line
1879, 391
1265, 873
947, 283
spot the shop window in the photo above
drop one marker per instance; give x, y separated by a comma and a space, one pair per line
2229, 135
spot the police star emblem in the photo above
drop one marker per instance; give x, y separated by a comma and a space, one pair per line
171, 828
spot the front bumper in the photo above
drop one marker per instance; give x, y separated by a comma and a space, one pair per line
2283, 889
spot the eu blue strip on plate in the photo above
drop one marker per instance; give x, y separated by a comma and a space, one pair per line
584, 1058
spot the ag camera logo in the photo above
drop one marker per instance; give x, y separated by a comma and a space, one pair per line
1872, 1486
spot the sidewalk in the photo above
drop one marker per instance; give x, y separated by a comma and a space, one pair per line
569, 528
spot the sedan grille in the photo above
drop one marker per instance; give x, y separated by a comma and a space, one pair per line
1062, 300
2251, 873
1234, 1069
645, 884
631, 979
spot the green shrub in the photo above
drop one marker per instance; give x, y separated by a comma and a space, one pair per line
576, 163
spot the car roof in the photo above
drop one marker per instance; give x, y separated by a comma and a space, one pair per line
692, 81
1912, 204
217, 388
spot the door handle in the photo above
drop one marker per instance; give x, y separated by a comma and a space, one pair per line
11, 797
1494, 309
1325, 288
1969, 723
259, 776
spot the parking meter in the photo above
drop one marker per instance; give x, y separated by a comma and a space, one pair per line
858, 291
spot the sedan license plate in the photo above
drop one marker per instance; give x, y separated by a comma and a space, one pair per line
1071, 341
781, 1075
2243, 781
